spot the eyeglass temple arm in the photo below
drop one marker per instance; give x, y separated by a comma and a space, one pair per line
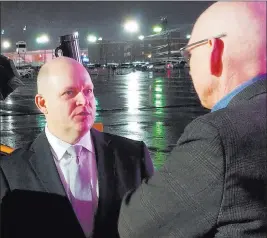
201, 41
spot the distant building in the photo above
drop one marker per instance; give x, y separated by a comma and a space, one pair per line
110, 52
35, 58
138, 50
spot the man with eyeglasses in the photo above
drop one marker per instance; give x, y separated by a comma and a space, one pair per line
214, 183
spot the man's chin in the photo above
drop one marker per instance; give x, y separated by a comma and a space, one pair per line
84, 125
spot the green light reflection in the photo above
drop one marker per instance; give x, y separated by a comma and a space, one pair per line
41, 121
98, 108
159, 142
158, 97
158, 130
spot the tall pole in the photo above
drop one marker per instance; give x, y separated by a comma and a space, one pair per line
164, 23
101, 59
23, 31
106, 52
131, 59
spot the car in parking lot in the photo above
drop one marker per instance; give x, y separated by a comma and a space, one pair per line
25, 72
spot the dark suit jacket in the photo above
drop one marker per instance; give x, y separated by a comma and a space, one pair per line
214, 184
34, 202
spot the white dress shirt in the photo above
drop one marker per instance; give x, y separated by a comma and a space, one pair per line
61, 156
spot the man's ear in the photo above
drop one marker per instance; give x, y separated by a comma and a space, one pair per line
217, 47
41, 103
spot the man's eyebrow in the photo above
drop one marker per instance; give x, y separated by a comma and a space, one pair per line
68, 88
73, 87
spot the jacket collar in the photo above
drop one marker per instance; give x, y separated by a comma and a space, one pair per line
257, 88
43, 164
239, 90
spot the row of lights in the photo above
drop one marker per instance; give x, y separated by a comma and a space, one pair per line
42, 39
130, 26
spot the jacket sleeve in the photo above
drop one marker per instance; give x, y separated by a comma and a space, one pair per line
147, 166
183, 198
3, 191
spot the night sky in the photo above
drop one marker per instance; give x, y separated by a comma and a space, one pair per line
104, 19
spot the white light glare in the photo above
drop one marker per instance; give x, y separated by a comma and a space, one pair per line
42, 39
6, 44
91, 38
131, 26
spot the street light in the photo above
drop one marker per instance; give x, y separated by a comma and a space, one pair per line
157, 29
188, 36
131, 26
6, 44
92, 38
42, 39
141, 37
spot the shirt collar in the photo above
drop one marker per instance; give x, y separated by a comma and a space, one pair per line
60, 147
226, 99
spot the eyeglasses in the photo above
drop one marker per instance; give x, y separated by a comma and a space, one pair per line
186, 53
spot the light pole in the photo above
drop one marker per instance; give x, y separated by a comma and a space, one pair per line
98, 40
164, 23
157, 29
103, 51
23, 31
141, 37
41, 40
131, 26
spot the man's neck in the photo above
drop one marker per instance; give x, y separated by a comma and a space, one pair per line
68, 136
228, 93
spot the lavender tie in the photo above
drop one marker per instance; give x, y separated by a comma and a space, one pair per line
80, 188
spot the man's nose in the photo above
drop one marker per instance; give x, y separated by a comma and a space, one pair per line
82, 99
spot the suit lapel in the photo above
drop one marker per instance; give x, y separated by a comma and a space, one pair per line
43, 164
45, 169
106, 169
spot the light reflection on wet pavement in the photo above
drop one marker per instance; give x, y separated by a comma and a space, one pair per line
144, 106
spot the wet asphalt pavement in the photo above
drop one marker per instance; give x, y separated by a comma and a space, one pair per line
153, 107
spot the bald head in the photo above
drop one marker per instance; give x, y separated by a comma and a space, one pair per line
218, 66
245, 26
52, 72
66, 98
